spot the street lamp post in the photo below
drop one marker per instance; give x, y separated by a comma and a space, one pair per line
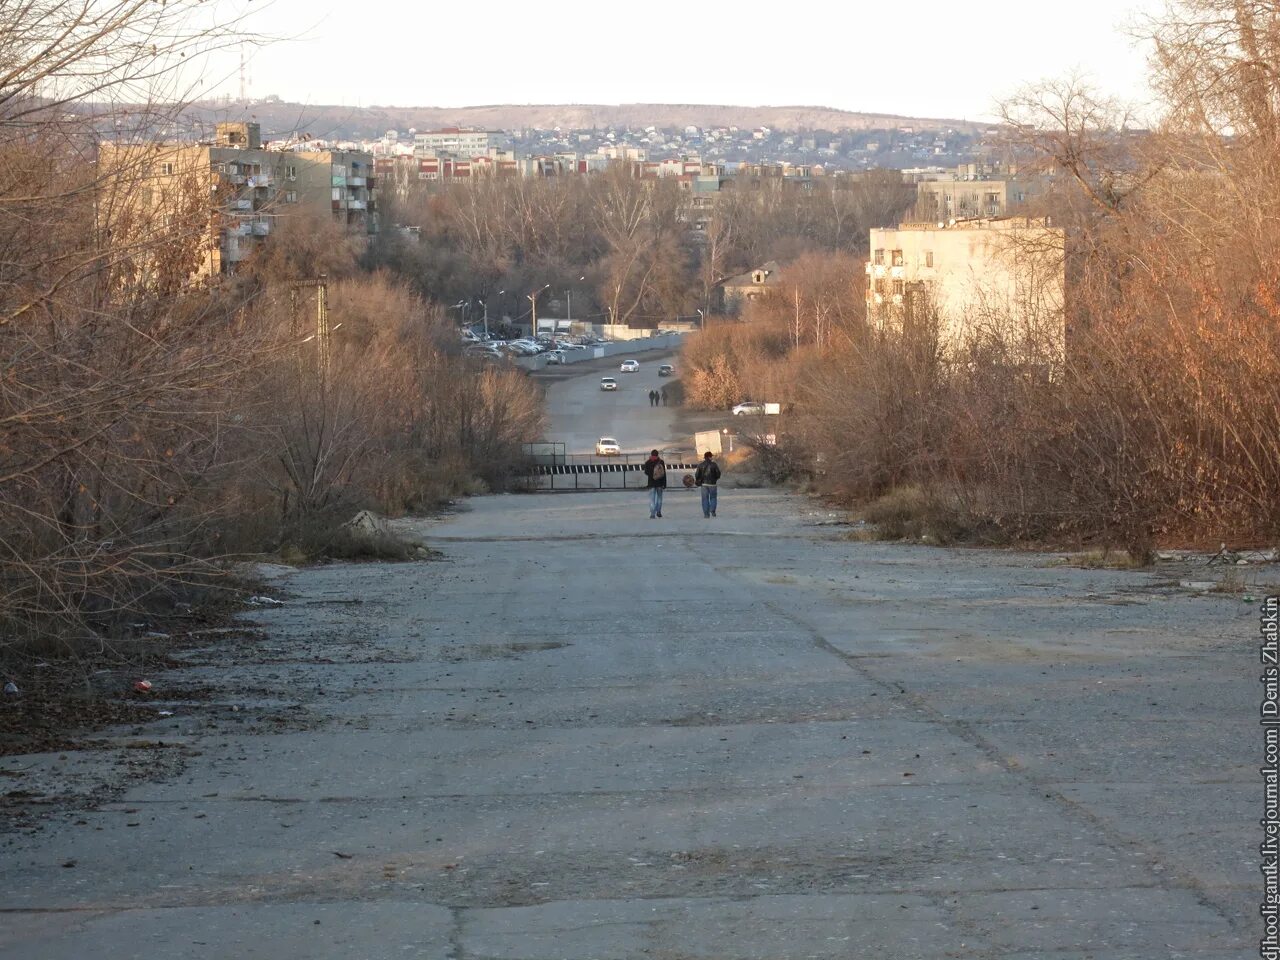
702, 320
533, 299
569, 297
485, 303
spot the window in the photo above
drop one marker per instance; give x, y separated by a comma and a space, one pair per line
291, 196
879, 258
899, 287
897, 258
290, 170
928, 258
166, 169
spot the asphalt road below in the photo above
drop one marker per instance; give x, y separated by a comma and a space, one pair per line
580, 412
587, 734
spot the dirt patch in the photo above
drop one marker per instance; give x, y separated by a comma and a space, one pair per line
496, 651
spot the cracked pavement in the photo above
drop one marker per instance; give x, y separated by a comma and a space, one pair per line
586, 734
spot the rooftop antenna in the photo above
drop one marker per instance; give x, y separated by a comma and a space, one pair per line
244, 97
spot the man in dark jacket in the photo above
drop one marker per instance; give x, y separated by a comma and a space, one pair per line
655, 468
706, 477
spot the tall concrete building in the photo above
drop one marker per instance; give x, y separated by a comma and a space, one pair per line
955, 199
455, 142
245, 189
1001, 276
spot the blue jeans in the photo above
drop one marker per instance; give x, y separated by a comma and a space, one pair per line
708, 499
655, 500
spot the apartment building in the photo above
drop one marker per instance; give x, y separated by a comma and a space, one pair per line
954, 199
245, 189
991, 275
455, 142
346, 178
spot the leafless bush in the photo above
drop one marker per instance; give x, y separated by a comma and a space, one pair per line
149, 424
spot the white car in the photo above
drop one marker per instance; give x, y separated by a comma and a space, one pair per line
554, 356
608, 447
608, 383
749, 409
629, 366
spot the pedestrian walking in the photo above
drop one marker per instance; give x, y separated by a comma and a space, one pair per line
664, 396
655, 468
651, 398
706, 477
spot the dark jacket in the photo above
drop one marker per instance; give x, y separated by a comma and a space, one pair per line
648, 472
708, 472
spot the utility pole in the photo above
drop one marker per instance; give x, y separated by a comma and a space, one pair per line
321, 335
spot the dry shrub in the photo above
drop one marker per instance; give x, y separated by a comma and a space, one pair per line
728, 363
390, 421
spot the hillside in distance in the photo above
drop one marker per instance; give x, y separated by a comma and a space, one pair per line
280, 119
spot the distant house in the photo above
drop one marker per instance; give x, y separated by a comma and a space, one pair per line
752, 285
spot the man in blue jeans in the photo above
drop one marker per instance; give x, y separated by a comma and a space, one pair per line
655, 468
706, 477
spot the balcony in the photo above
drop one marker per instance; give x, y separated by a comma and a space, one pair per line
259, 181
241, 204
236, 178
898, 273
357, 204
339, 181
261, 228
355, 181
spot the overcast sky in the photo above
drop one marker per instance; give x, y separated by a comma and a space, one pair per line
924, 58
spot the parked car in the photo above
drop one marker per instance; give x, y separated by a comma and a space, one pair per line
608, 447
666, 370
608, 383
749, 409
629, 366
555, 356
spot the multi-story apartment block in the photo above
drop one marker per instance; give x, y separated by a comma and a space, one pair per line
455, 142
958, 199
245, 190
1004, 275
346, 178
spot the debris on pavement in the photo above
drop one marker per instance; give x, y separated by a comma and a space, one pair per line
258, 601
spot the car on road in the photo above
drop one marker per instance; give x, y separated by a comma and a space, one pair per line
608, 447
608, 383
666, 370
629, 366
749, 409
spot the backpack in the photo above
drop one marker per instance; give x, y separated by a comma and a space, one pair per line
659, 470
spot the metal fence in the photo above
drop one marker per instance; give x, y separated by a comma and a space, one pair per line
581, 471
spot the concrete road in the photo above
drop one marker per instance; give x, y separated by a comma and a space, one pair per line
587, 734
581, 413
